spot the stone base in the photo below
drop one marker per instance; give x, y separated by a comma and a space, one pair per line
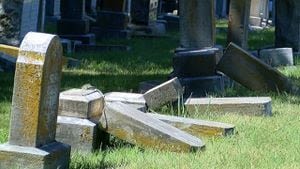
54, 155
194, 63
277, 56
72, 27
88, 39
112, 20
82, 134
111, 33
201, 86
255, 21
100, 48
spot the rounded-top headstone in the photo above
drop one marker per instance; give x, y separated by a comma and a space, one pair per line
36, 91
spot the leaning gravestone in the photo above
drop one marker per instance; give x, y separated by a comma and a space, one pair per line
288, 24
18, 18
34, 107
238, 22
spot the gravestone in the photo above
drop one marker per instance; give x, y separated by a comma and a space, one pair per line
113, 18
253, 73
197, 48
239, 22
259, 10
53, 8
79, 114
34, 107
277, 57
136, 127
287, 28
73, 24
221, 8
18, 18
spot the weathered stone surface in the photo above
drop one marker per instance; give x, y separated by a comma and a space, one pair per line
82, 134
287, 24
32, 142
53, 155
133, 99
138, 128
238, 24
277, 57
166, 92
259, 10
36, 91
240, 105
201, 86
252, 73
195, 63
197, 23
81, 103
196, 127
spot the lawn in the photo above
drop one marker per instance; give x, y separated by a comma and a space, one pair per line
259, 142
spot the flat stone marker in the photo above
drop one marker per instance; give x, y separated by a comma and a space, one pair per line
241, 105
133, 99
133, 126
34, 107
79, 114
277, 57
166, 92
196, 127
252, 73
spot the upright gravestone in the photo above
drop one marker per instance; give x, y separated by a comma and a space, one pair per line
19, 18
238, 22
34, 107
113, 18
73, 24
195, 61
259, 10
288, 24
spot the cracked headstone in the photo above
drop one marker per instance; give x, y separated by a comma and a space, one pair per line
35, 107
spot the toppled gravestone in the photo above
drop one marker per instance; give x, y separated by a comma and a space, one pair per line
252, 73
34, 107
277, 57
240, 105
79, 114
135, 100
196, 127
166, 92
136, 127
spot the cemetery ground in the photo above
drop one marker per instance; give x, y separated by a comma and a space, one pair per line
259, 142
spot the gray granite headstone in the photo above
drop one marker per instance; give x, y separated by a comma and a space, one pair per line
35, 106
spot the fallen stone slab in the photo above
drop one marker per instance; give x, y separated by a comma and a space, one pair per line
166, 92
196, 127
241, 105
133, 99
133, 126
277, 57
252, 73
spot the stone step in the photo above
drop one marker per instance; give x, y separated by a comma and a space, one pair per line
136, 127
240, 105
252, 73
196, 127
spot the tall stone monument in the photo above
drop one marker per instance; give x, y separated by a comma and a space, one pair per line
18, 18
238, 22
288, 24
73, 24
34, 107
195, 61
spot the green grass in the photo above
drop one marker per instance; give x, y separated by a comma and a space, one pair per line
260, 142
